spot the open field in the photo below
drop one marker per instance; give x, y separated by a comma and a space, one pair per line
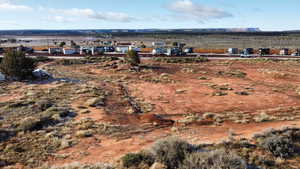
98, 111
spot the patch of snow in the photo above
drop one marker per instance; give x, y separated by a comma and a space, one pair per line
41, 74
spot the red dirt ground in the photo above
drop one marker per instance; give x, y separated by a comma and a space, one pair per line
198, 99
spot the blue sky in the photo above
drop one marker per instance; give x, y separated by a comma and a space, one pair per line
138, 14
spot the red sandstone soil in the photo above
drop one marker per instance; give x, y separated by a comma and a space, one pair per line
197, 98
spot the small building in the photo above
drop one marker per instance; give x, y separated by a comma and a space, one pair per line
233, 51
122, 49
55, 50
70, 51
284, 51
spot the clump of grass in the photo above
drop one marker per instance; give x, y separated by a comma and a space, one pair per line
217, 159
233, 73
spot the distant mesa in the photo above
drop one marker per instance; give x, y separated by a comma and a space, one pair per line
97, 31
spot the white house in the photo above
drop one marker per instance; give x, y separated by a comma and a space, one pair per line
69, 51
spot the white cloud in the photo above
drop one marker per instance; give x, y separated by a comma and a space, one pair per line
193, 11
8, 5
60, 19
89, 13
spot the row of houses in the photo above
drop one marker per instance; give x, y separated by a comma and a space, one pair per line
264, 51
93, 50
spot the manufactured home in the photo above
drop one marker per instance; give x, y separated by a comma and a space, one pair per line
55, 51
70, 51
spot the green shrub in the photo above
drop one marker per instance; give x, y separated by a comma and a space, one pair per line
279, 146
218, 159
171, 151
16, 65
133, 58
135, 159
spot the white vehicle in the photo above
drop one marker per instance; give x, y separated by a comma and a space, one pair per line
188, 50
247, 56
233, 50
122, 49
